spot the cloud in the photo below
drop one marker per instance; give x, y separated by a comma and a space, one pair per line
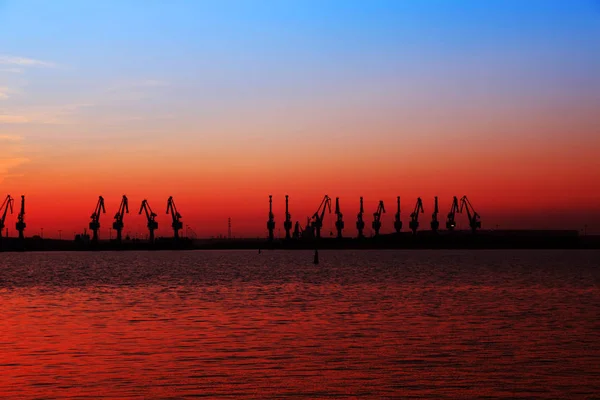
13, 119
24, 62
12, 70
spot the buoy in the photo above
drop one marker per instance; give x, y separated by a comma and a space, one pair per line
316, 259
258, 251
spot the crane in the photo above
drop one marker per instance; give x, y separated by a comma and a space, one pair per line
298, 231
450, 222
271, 221
474, 221
176, 224
377, 217
339, 223
435, 224
360, 224
150, 215
95, 223
397, 221
7, 205
118, 224
20, 225
317, 218
414, 216
287, 225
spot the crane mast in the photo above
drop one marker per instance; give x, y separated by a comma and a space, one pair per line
7, 205
271, 221
377, 217
339, 223
474, 219
397, 221
95, 223
414, 216
450, 222
317, 218
435, 224
287, 225
175, 216
118, 223
360, 224
150, 215
20, 225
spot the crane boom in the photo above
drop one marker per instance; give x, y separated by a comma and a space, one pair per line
414, 216
317, 222
287, 225
271, 221
95, 223
472, 215
175, 216
7, 205
435, 224
360, 224
150, 216
118, 223
377, 217
339, 223
450, 222
20, 225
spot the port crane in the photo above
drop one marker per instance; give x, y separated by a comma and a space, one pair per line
298, 231
450, 222
414, 216
150, 215
317, 218
360, 224
287, 225
271, 221
20, 225
397, 221
95, 223
175, 216
474, 219
377, 217
435, 224
7, 205
339, 223
118, 224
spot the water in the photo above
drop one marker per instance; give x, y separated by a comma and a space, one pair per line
374, 324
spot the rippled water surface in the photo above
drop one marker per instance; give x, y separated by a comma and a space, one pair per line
375, 324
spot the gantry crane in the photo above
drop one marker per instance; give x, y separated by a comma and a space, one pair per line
175, 216
450, 222
7, 205
95, 223
397, 221
360, 224
317, 218
414, 216
20, 225
118, 224
339, 223
271, 221
377, 217
435, 224
474, 219
150, 215
287, 225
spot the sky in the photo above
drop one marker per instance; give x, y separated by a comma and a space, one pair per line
220, 104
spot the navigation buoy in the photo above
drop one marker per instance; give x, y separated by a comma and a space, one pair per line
316, 259
258, 251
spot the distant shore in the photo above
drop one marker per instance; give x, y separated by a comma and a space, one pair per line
491, 239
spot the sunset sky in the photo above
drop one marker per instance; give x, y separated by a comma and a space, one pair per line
221, 103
